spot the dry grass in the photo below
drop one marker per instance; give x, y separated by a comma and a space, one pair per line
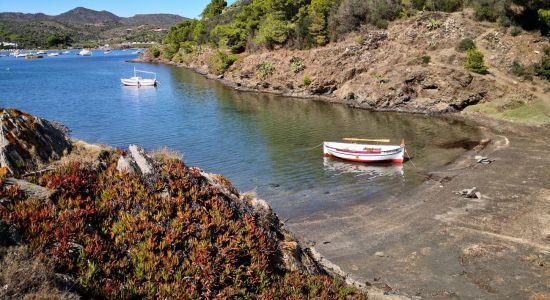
25, 277
165, 154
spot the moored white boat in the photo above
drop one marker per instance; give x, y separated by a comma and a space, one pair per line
365, 152
85, 52
41, 52
53, 54
139, 81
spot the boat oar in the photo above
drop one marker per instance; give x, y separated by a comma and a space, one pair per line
367, 140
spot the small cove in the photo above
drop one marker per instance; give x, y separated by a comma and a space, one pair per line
262, 143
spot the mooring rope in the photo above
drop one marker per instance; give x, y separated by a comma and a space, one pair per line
410, 159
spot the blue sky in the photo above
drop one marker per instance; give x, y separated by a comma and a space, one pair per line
123, 8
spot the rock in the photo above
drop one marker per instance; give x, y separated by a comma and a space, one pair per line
483, 160
470, 193
380, 254
145, 164
126, 165
374, 39
31, 190
27, 141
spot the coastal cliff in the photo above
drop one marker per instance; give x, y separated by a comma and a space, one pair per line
108, 223
408, 67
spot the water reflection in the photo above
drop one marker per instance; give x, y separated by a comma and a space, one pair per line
135, 93
336, 167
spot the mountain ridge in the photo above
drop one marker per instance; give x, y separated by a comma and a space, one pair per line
84, 26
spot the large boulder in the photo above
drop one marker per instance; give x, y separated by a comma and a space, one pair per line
26, 141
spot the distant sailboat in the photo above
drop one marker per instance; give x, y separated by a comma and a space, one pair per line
85, 52
139, 81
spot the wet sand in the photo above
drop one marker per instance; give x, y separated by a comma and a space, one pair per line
433, 244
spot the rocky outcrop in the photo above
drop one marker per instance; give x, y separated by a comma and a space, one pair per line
27, 142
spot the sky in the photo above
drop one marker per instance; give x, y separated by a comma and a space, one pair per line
123, 8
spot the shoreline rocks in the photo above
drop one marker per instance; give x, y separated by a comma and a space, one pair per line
27, 142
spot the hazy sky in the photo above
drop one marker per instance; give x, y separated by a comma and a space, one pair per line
123, 8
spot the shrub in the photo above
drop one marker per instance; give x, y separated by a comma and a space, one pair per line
504, 21
272, 31
542, 68
228, 36
423, 60
465, 45
433, 24
169, 51
490, 10
264, 70
188, 47
546, 50
155, 51
474, 62
445, 5
515, 31
219, 62
380, 79
297, 64
306, 80
517, 68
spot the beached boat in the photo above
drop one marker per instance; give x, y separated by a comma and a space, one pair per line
85, 52
139, 81
354, 151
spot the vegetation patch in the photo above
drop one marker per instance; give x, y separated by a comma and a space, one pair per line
306, 80
220, 61
465, 45
297, 64
536, 113
475, 62
264, 70
120, 236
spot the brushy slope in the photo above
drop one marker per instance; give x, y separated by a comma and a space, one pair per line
173, 235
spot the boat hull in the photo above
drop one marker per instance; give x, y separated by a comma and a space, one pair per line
138, 83
364, 153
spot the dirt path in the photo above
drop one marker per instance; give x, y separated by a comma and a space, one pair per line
434, 244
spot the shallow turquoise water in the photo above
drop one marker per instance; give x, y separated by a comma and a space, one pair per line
262, 143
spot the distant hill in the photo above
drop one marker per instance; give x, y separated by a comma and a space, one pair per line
81, 15
84, 26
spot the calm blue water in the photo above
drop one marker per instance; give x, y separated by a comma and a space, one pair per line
262, 143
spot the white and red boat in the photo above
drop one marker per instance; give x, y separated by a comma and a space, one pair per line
365, 152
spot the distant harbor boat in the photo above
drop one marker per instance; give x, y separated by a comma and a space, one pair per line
41, 52
33, 56
66, 52
139, 81
85, 52
53, 54
365, 152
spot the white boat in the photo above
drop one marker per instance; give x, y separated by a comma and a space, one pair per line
23, 55
85, 52
41, 52
139, 81
66, 52
365, 152
53, 54
107, 51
